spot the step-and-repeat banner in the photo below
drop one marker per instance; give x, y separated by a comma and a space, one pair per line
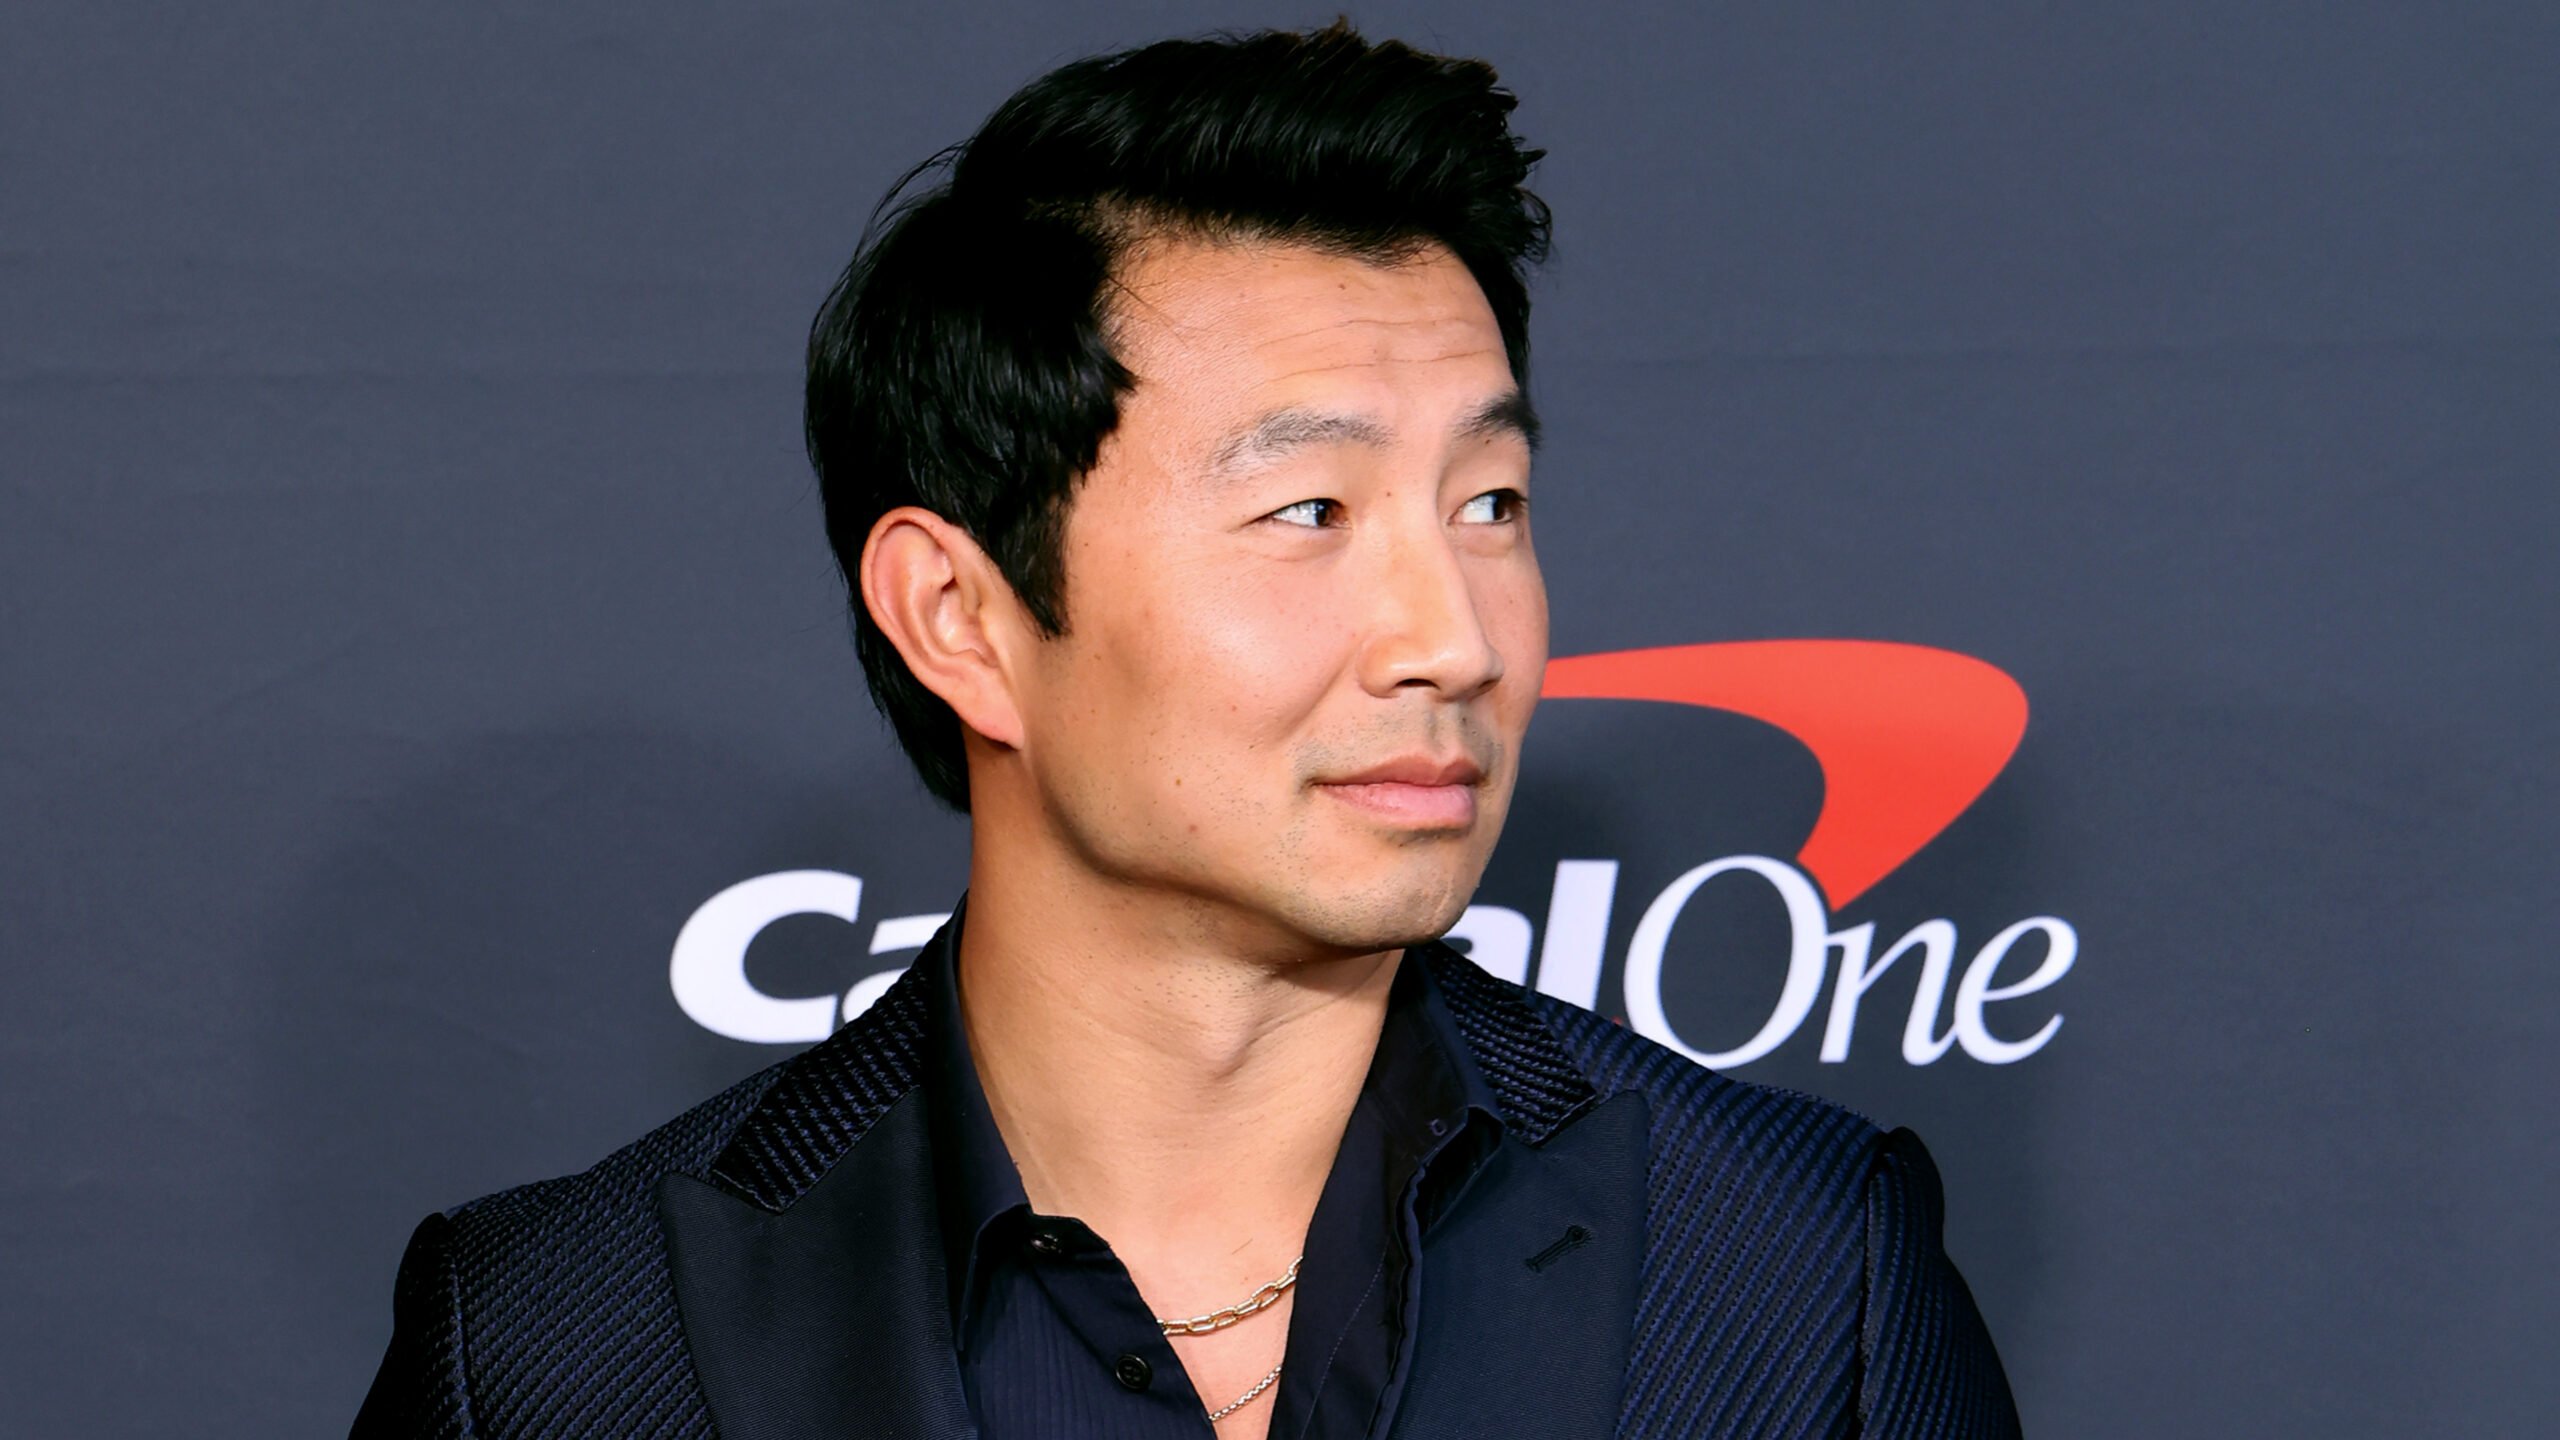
2050, 519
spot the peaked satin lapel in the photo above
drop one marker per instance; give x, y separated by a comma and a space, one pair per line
829, 1318
1529, 1286
808, 1259
1529, 1280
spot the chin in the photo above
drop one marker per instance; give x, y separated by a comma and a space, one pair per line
1364, 918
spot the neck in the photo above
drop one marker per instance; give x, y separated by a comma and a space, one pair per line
1182, 1099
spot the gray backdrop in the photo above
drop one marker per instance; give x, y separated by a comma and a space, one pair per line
415, 610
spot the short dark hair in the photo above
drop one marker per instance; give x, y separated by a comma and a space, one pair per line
962, 361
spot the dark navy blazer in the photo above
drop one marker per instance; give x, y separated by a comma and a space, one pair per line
1672, 1254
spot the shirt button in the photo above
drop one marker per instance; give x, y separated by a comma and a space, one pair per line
1044, 1242
1132, 1371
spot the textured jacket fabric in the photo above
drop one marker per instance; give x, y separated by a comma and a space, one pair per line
1783, 1273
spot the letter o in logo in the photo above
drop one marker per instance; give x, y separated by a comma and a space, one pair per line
1808, 926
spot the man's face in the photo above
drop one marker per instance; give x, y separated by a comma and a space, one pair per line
1306, 628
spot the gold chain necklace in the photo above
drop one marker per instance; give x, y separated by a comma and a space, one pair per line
1217, 1320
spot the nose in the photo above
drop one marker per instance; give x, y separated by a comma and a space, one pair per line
1426, 629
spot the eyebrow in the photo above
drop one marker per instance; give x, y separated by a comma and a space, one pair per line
1279, 433
1508, 413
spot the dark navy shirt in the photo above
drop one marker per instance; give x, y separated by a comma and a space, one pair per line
1053, 1337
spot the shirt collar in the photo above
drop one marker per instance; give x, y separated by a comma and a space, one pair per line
976, 1184
1423, 1087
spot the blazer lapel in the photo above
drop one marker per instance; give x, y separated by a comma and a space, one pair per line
828, 1318
1529, 1287
808, 1261
1529, 1279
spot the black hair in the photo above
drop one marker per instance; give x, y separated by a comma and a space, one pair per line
962, 361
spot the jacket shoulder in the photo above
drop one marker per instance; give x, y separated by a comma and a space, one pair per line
621, 1181
558, 1299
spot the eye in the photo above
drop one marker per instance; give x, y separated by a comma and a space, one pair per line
1314, 514
1493, 507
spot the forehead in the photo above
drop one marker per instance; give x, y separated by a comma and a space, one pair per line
1210, 328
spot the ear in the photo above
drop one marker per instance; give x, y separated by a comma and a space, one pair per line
939, 598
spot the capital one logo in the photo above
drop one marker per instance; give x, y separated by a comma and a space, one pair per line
1907, 737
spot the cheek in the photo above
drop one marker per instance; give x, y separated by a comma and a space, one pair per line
1253, 649
1193, 664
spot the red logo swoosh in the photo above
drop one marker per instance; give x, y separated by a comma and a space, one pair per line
1907, 736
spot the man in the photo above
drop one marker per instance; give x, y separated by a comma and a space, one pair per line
1177, 451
